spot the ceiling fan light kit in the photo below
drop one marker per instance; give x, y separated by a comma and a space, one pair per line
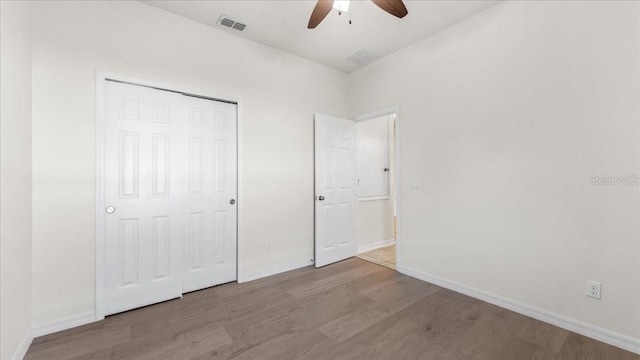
341, 5
323, 7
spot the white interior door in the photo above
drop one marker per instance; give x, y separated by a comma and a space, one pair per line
335, 189
210, 247
168, 182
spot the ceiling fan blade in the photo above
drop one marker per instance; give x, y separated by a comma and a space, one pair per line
393, 7
322, 9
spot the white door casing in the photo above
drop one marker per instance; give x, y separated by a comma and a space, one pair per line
154, 148
335, 189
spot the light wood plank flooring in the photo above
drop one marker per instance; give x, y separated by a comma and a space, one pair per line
385, 256
350, 310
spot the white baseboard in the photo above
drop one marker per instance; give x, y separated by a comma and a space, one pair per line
23, 347
274, 271
592, 331
64, 324
374, 246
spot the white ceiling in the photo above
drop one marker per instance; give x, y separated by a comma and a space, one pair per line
283, 25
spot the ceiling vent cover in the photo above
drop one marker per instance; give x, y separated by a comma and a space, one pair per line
227, 22
362, 57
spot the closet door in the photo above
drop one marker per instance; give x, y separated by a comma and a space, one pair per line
169, 178
210, 241
144, 151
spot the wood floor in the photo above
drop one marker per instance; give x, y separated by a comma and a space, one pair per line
350, 310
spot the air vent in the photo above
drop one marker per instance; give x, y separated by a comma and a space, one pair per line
239, 26
227, 22
363, 57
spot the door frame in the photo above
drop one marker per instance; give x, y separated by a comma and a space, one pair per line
101, 80
391, 110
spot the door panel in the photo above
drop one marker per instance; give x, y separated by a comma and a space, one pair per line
162, 169
212, 186
142, 239
335, 189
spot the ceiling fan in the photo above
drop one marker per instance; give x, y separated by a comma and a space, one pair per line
323, 7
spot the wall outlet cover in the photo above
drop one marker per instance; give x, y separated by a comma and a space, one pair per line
593, 289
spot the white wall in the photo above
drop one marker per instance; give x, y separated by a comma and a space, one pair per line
372, 149
15, 178
374, 223
278, 93
505, 117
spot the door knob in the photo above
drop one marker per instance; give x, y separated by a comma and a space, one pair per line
110, 210
320, 197
232, 201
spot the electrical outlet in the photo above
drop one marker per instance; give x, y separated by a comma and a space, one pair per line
267, 246
593, 289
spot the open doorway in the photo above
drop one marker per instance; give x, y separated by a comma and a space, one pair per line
376, 173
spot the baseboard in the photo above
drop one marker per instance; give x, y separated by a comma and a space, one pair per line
374, 246
23, 347
275, 271
606, 336
64, 324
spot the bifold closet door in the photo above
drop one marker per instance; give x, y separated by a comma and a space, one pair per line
167, 228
